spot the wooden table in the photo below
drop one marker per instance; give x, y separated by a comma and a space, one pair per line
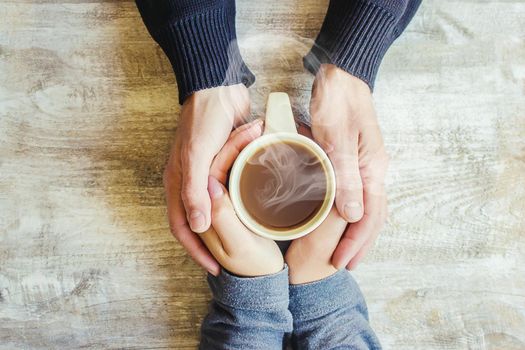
88, 109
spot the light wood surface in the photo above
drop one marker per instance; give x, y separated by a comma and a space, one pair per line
87, 111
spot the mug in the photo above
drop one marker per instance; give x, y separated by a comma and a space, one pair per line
279, 126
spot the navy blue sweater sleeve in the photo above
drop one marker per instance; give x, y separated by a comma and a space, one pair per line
355, 35
199, 38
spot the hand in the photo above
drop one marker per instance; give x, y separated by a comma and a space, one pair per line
206, 120
309, 257
236, 248
344, 123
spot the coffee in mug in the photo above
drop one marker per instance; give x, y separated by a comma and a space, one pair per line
283, 185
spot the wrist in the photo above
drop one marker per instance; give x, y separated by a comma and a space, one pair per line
242, 269
232, 101
255, 293
226, 93
311, 273
332, 74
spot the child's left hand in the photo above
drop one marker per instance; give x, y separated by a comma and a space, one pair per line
236, 248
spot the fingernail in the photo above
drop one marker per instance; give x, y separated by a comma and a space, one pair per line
214, 272
353, 210
214, 188
197, 221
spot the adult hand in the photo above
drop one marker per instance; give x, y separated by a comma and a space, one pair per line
235, 247
344, 124
205, 123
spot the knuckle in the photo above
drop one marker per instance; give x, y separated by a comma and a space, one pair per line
351, 241
219, 213
350, 186
188, 151
190, 147
188, 195
350, 173
175, 232
222, 256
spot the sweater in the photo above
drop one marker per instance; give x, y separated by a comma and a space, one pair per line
199, 39
267, 312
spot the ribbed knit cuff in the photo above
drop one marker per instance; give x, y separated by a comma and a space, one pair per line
264, 293
355, 36
319, 298
201, 46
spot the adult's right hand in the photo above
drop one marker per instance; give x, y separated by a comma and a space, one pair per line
206, 120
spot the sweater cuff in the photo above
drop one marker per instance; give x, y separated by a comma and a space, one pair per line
355, 36
264, 293
203, 50
319, 298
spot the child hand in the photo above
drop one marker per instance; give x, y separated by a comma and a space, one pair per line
236, 248
309, 257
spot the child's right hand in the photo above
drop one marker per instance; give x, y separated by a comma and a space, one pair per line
309, 257
236, 248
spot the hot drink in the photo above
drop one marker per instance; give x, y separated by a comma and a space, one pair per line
283, 185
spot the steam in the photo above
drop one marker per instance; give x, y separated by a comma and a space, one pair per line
291, 175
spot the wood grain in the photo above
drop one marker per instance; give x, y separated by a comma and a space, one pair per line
87, 111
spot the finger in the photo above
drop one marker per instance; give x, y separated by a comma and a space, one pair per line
305, 130
213, 243
372, 154
359, 233
356, 260
244, 127
179, 227
196, 248
329, 233
229, 228
196, 161
362, 252
229, 152
349, 187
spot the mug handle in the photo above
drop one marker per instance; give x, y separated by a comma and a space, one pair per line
279, 116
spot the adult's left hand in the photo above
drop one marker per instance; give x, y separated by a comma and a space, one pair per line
344, 124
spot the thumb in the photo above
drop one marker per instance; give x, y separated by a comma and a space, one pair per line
194, 195
349, 195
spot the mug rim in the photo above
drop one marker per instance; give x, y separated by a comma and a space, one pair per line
243, 214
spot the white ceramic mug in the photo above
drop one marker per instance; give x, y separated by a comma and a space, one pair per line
280, 127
